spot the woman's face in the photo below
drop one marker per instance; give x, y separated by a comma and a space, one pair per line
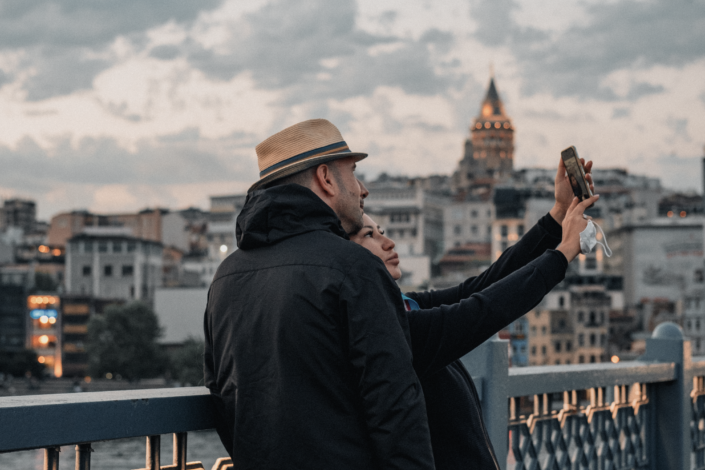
372, 238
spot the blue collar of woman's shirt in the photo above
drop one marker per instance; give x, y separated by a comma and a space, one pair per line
413, 305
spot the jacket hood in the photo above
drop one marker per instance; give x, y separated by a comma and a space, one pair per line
272, 215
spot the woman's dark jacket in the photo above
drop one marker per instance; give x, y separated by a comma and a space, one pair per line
307, 346
454, 321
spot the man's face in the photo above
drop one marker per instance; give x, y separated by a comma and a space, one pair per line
348, 204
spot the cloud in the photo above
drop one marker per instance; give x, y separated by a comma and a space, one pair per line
75, 23
183, 158
60, 72
61, 39
619, 113
4, 78
613, 36
493, 20
679, 128
681, 173
313, 50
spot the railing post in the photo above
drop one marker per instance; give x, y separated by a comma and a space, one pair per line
490, 361
83, 456
51, 458
670, 440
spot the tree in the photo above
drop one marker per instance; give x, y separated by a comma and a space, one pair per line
124, 341
187, 363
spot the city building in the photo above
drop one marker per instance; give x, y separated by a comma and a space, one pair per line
145, 225
467, 221
489, 150
571, 324
413, 217
14, 287
44, 332
659, 259
19, 213
75, 313
113, 264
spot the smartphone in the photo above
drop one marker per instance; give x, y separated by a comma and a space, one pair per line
576, 173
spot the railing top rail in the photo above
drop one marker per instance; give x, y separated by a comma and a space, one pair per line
534, 380
38, 421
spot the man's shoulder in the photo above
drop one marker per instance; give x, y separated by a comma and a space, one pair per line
317, 248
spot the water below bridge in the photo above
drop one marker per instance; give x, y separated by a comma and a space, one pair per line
123, 454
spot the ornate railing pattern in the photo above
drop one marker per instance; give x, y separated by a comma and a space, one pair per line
609, 433
645, 414
697, 423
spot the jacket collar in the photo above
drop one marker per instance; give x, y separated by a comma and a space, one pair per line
272, 215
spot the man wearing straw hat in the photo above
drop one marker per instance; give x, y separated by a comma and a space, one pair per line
307, 344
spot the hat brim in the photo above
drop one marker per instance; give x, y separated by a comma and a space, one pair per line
303, 165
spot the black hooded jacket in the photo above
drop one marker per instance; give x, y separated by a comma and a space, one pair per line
454, 321
307, 346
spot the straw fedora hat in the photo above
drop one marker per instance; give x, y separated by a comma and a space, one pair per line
299, 147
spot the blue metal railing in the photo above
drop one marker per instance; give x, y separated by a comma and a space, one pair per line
646, 414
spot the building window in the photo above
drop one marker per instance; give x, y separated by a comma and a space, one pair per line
131, 247
593, 339
561, 301
590, 263
533, 350
520, 230
108, 270
86, 270
117, 247
503, 230
581, 339
489, 230
127, 270
689, 325
697, 325
504, 246
592, 318
581, 317
698, 275
603, 339
88, 247
473, 213
592, 358
543, 350
458, 229
568, 346
558, 362
102, 247
557, 346
533, 331
581, 359
473, 229
543, 330
567, 361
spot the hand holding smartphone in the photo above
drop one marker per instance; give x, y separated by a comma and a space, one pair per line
576, 173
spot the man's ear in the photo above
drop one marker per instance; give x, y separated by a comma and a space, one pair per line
325, 180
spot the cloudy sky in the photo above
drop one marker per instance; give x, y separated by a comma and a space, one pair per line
116, 106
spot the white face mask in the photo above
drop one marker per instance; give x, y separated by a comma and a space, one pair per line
588, 239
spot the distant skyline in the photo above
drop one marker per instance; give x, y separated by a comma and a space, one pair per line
121, 106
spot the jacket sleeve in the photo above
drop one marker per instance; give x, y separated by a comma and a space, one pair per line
545, 235
380, 355
443, 334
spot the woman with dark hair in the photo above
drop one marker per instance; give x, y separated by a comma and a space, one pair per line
446, 324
